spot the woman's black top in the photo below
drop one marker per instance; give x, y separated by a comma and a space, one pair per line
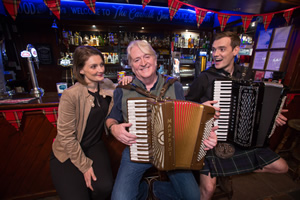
95, 122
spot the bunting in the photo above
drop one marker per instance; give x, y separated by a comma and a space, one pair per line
91, 4
200, 15
145, 2
267, 20
223, 18
287, 15
12, 7
54, 6
174, 6
246, 21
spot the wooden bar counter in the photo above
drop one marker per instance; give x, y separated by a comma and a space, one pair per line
27, 131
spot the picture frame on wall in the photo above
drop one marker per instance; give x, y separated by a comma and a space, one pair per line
44, 52
281, 36
275, 60
264, 39
260, 60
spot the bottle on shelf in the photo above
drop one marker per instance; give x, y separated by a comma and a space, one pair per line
121, 39
182, 41
111, 39
126, 39
100, 40
85, 40
116, 41
71, 38
105, 40
190, 42
196, 42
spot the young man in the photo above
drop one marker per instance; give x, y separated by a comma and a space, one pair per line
225, 47
143, 61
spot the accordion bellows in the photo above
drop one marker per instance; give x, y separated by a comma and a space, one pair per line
169, 133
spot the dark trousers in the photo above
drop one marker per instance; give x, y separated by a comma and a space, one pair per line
69, 181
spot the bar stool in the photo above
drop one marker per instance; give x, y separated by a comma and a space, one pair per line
294, 150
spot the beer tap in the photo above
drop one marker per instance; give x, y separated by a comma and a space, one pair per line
31, 54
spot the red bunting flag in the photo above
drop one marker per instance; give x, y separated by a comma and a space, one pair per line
174, 6
145, 2
246, 21
54, 6
12, 7
267, 20
200, 15
223, 20
90, 4
287, 15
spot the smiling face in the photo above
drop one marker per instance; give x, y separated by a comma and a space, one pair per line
223, 54
93, 70
143, 65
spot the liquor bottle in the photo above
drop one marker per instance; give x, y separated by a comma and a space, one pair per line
176, 40
109, 58
190, 42
196, 42
150, 40
116, 58
100, 40
111, 39
71, 38
79, 38
76, 39
121, 39
94, 41
105, 40
182, 41
85, 40
116, 39
126, 39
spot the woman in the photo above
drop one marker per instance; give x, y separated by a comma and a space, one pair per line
80, 165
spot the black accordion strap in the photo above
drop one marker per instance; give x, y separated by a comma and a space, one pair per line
169, 81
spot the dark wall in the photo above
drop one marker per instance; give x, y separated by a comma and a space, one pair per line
38, 32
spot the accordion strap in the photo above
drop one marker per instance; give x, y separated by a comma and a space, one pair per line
169, 81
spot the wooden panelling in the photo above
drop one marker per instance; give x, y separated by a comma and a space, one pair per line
25, 161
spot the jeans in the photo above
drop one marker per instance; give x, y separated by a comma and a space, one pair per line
128, 185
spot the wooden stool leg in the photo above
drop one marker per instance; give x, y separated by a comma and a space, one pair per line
283, 141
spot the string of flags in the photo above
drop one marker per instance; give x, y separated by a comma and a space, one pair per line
174, 6
12, 7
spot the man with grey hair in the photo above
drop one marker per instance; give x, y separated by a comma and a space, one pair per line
143, 61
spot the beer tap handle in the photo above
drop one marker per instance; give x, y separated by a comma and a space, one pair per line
34, 54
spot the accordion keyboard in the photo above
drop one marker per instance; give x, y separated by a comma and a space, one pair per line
222, 94
138, 114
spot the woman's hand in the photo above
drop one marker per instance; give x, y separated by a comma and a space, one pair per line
125, 80
88, 175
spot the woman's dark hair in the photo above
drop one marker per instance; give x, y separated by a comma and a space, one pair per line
80, 56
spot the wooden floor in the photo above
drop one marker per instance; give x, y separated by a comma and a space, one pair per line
256, 186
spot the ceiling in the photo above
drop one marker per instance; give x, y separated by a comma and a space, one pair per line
246, 6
